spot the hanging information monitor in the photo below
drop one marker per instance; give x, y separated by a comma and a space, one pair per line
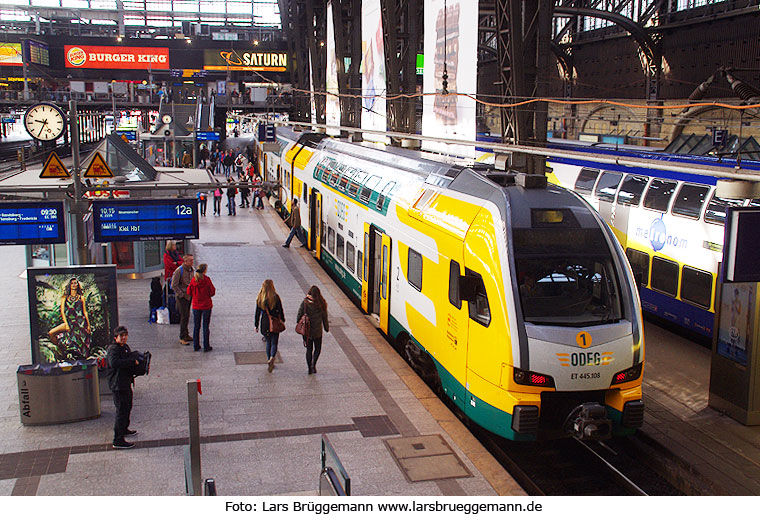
742, 235
145, 220
32, 223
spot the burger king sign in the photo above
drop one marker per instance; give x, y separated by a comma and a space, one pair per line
102, 57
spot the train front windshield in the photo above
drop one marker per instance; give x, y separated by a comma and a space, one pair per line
566, 277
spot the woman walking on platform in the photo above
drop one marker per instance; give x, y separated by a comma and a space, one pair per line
201, 290
269, 306
315, 307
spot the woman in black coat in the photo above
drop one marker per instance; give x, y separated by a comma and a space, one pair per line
315, 307
268, 305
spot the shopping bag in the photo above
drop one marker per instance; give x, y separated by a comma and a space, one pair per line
162, 315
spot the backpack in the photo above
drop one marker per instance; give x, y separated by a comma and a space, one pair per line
218, 193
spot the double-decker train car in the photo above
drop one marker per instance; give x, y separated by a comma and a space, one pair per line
510, 295
670, 224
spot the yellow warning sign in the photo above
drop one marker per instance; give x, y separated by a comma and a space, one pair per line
98, 168
54, 168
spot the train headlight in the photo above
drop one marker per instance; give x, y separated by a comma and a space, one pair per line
631, 374
533, 379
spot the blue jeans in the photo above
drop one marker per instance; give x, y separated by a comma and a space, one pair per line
231, 206
198, 316
295, 231
272, 340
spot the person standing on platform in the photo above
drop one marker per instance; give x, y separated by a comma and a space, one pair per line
245, 192
315, 307
268, 304
171, 260
239, 165
231, 193
187, 160
204, 155
121, 375
228, 161
180, 281
201, 290
202, 201
295, 223
218, 200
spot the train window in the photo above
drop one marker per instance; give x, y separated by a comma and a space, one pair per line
664, 276
369, 185
690, 200
341, 252
639, 264
659, 194
324, 233
754, 203
331, 239
415, 269
359, 264
632, 189
305, 193
343, 183
366, 257
586, 180
479, 309
454, 274
350, 252
696, 286
384, 194
716, 209
384, 276
334, 175
607, 186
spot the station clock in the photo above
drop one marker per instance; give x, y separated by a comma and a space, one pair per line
45, 121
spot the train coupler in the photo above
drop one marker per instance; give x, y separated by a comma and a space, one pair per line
591, 422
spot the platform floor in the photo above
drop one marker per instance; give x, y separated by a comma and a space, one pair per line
261, 432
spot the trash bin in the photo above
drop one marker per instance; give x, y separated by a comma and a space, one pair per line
54, 393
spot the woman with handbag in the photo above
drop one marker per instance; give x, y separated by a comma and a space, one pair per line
272, 317
314, 308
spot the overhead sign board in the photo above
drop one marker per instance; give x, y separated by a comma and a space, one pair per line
98, 168
32, 223
144, 220
207, 136
235, 60
54, 168
113, 57
39, 52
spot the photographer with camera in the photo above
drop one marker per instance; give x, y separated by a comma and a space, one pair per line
122, 365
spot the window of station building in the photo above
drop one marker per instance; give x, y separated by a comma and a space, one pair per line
479, 310
658, 195
607, 186
341, 252
586, 180
631, 190
664, 276
331, 240
690, 200
639, 264
414, 269
716, 209
696, 286
454, 284
350, 252
369, 186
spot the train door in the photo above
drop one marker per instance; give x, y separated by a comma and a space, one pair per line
279, 183
376, 269
365, 268
315, 221
385, 282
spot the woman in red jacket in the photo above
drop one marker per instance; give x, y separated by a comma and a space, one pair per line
171, 260
201, 290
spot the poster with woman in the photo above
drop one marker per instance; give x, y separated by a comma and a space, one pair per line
72, 310
735, 327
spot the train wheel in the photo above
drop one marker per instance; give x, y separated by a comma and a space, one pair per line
421, 362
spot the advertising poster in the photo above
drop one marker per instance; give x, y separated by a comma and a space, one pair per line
735, 328
450, 38
374, 107
237, 60
112, 57
72, 311
10, 54
332, 109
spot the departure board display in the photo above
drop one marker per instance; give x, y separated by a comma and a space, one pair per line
32, 223
144, 220
39, 53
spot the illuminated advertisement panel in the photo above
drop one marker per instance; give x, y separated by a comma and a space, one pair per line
236, 60
374, 107
112, 57
451, 39
10, 54
332, 109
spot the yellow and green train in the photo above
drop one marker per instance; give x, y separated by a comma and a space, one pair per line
510, 294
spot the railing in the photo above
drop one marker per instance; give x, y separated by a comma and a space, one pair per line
334, 480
